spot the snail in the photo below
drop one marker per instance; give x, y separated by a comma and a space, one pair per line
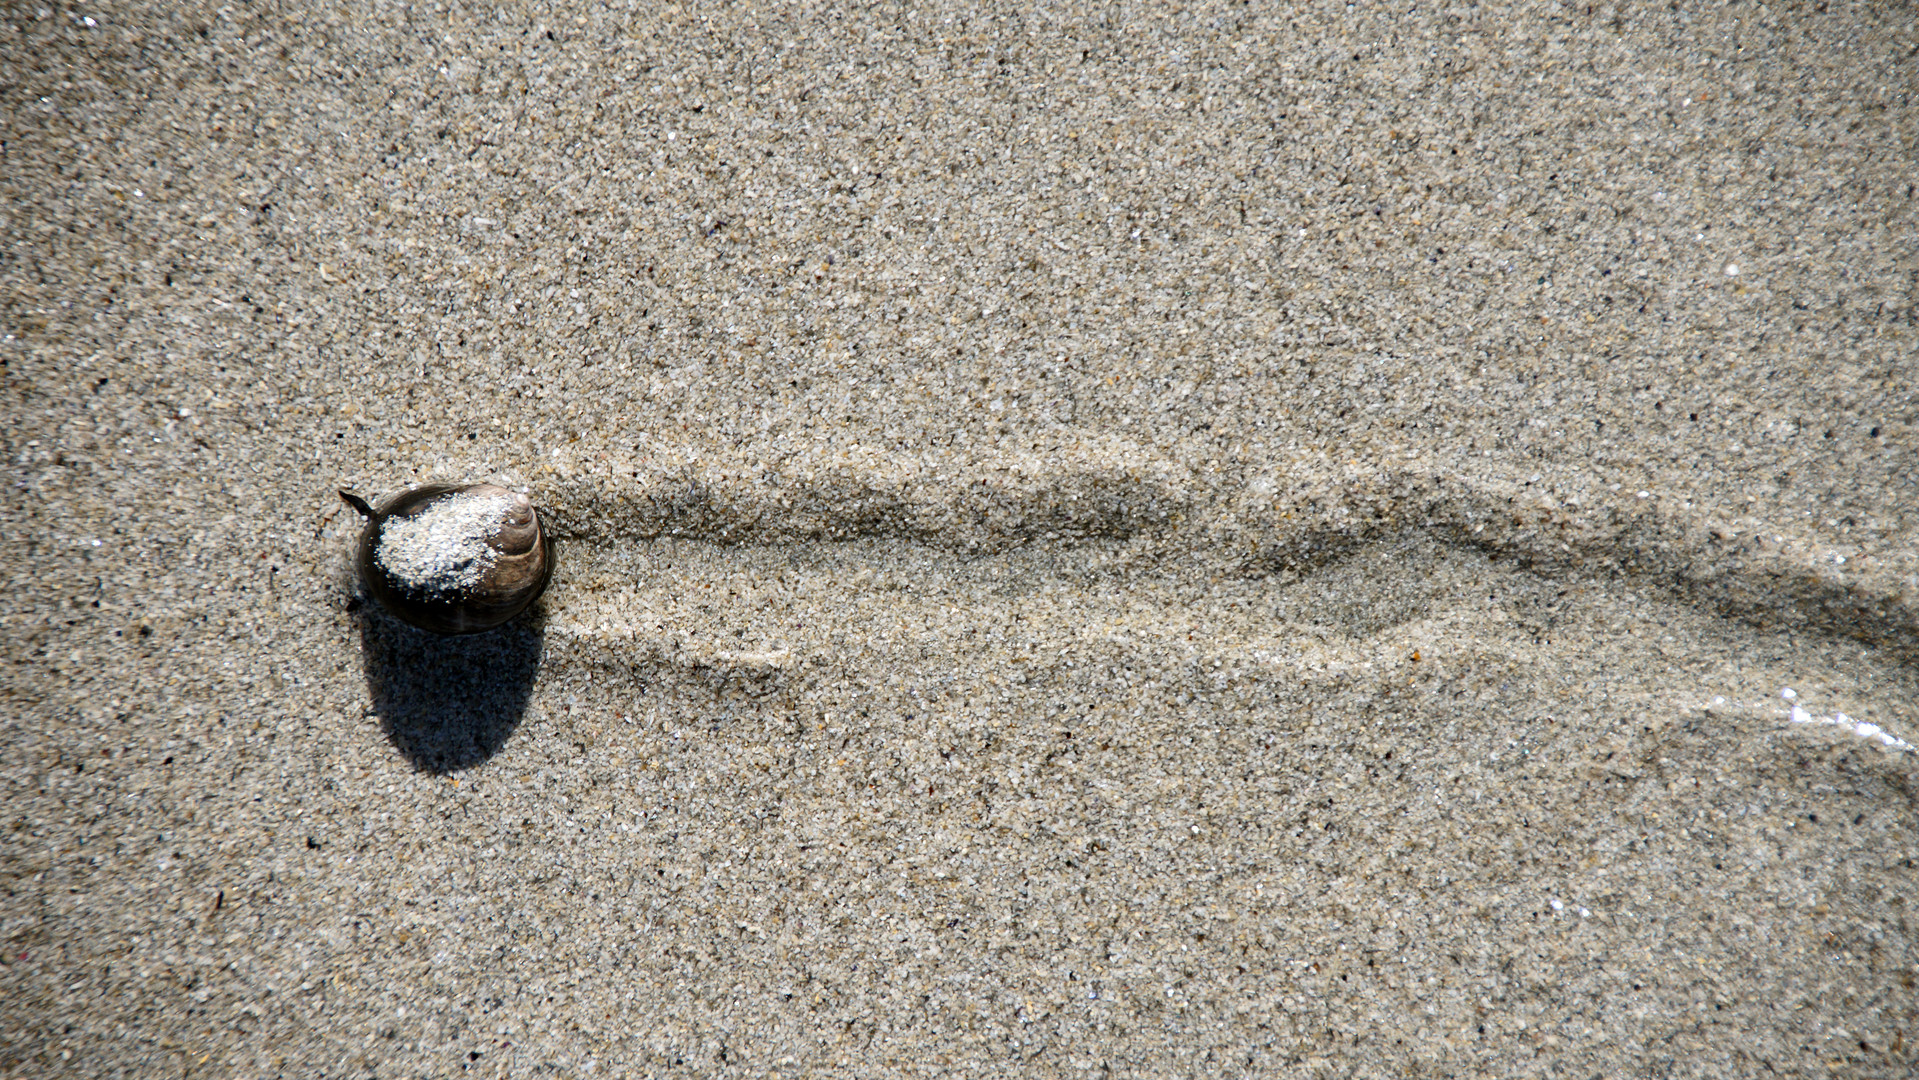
453, 558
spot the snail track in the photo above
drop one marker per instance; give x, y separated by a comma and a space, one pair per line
737, 581
1133, 516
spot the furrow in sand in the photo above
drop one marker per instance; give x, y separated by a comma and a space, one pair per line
1105, 518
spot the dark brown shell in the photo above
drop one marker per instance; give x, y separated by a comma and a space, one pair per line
522, 561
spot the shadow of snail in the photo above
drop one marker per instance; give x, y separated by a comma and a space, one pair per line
448, 703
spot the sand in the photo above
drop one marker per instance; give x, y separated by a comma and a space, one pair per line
1092, 542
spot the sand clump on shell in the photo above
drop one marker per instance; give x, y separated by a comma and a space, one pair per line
445, 548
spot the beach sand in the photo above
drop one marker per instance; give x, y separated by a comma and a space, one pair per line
1152, 541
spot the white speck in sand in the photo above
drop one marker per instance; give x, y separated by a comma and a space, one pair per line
443, 549
1858, 727
1732, 269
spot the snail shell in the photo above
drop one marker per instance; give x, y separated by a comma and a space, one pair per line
453, 558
